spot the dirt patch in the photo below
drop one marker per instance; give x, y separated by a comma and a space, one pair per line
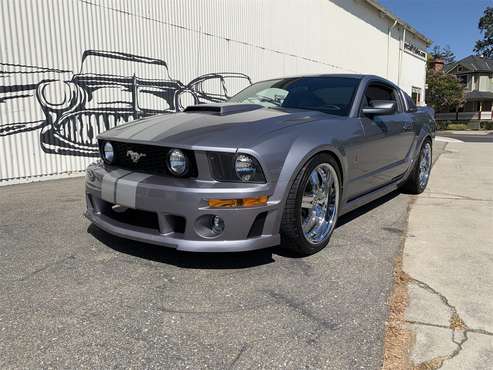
398, 338
433, 364
456, 323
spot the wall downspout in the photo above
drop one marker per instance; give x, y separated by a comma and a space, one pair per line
389, 35
401, 56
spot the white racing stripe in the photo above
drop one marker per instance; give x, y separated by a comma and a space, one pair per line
447, 139
108, 185
126, 189
120, 187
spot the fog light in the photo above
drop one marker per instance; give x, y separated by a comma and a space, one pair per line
209, 226
217, 225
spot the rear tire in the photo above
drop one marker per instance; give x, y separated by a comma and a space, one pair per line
418, 178
312, 206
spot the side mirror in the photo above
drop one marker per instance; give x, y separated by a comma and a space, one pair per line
380, 108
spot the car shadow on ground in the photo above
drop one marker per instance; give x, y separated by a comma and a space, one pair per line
192, 260
236, 260
348, 217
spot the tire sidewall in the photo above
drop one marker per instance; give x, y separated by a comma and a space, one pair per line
420, 187
307, 169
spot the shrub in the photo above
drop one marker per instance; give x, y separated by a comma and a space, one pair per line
486, 125
442, 125
457, 126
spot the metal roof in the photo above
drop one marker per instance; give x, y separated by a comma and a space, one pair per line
478, 95
404, 24
472, 63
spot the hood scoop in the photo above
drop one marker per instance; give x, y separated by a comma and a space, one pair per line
222, 109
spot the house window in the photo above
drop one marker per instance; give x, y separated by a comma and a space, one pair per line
462, 79
416, 95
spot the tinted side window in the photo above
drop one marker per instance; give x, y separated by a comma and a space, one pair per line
379, 92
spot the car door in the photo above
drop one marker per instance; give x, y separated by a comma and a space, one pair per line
385, 146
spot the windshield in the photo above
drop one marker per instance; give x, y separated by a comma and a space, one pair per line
332, 95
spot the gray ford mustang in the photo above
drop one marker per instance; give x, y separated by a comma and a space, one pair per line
277, 164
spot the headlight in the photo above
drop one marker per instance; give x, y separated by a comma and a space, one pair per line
177, 162
245, 167
235, 167
108, 153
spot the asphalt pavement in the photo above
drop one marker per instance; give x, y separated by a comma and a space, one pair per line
72, 296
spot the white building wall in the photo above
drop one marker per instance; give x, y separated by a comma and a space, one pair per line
41, 40
413, 75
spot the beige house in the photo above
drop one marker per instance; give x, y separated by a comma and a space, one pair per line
476, 74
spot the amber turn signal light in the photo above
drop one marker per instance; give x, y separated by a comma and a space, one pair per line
245, 202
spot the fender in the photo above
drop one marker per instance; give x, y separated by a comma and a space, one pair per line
421, 137
299, 154
297, 145
289, 173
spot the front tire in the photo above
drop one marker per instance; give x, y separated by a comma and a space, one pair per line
312, 206
418, 178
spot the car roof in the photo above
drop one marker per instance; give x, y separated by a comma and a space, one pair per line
357, 76
347, 75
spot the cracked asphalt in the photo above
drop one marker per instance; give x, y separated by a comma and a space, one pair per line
72, 296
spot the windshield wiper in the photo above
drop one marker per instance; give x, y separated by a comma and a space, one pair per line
316, 109
268, 100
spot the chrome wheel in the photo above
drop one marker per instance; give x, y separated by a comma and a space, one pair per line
425, 165
320, 203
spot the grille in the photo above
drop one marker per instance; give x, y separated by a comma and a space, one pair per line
152, 159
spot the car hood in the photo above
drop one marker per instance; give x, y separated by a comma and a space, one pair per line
237, 126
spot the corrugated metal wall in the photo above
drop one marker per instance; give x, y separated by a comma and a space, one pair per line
72, 68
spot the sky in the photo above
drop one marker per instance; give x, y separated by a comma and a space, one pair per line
452, 22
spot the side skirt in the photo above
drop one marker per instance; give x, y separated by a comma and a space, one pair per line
361, 200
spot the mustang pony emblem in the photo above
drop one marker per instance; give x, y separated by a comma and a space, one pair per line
134, 156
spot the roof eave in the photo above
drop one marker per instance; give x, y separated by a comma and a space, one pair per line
393, 17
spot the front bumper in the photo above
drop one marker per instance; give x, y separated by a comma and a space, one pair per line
177, 205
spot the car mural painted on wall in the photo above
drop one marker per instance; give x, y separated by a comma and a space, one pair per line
113, 88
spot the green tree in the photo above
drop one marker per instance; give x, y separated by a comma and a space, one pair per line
444, 92
444, 53
485, 46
